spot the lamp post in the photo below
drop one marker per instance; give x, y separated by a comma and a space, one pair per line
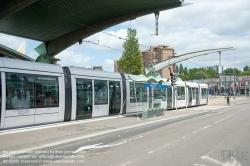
225, 83
245, 90
214, 90
211, 86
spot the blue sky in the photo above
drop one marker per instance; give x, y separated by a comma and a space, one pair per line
202, 25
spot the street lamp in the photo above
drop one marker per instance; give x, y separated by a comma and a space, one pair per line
215, 90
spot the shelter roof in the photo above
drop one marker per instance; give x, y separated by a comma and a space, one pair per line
8, 52
61, 23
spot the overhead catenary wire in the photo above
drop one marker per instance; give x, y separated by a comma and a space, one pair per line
101, 45
99, 31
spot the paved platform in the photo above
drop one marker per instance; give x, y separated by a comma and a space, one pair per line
221, 100
51, 135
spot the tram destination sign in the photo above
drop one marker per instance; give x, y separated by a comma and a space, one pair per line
147, 85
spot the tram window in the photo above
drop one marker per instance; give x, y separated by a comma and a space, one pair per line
141, 92
203, 93
20, 90
193, 93
47, 91
132, 92
84, 90
180, 93
160, 94
101, 92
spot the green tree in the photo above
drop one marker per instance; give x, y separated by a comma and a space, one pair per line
200, 75
131, 61
176, 69
245, 73
181, 69
230, 71
184, 77
185, 71
246, 68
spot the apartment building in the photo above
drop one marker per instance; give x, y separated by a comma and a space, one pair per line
157, 54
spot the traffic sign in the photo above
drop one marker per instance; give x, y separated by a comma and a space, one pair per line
147, 85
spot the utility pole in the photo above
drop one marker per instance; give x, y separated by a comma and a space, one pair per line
219, 71
230, 85
211, 86
173, 84
225, 83
245, 90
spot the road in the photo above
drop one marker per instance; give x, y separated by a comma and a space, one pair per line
218, 137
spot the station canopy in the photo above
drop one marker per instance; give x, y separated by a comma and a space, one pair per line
62, 23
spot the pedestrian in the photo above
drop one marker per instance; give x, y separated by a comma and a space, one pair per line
228, 99
249, 93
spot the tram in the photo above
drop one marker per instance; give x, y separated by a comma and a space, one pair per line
34, 93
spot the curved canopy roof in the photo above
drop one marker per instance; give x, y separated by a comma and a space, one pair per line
183, 57
61, 23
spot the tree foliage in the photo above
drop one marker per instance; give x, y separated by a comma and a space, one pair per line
181, 69
176, 69
131, 61
203, 73
245, 73
231, 71
184, 77
246, 68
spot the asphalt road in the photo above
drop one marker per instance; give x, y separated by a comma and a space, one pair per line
220, 137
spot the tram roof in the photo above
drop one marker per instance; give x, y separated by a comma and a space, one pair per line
11, 63
79, 71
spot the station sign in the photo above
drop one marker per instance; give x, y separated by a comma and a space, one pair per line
147, 85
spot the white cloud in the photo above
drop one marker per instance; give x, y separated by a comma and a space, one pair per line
11, 41
71, 57
109, 62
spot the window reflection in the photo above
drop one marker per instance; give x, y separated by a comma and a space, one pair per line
180, 93
141, 92
169, 97
159, 95
19, 91
47, 91
203, 93
193, 93
84, 98
101, 92
114, 97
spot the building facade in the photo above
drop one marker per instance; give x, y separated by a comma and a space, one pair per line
116, 68
227, 84
157, 54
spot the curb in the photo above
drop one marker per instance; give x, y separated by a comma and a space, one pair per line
73, 140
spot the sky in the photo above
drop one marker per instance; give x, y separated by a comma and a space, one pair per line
202, 25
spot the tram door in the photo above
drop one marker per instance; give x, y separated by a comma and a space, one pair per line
197, 95
169, 97
84, 98
189, 96
114, 97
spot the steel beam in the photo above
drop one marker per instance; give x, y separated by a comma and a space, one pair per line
8, 7
57, 45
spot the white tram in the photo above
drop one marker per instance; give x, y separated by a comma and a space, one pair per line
36, 93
